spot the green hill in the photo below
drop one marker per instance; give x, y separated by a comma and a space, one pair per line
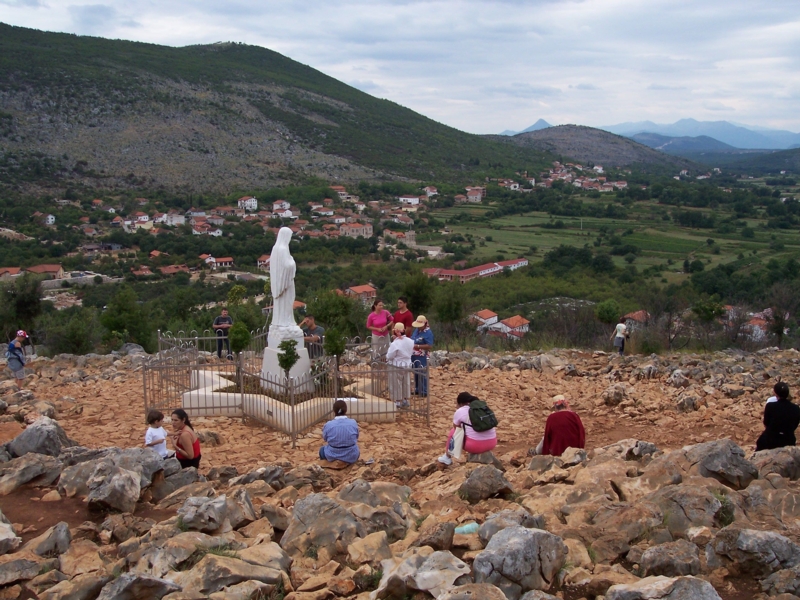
110, 113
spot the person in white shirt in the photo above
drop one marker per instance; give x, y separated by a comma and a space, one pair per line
619, 336
399, 359
156, 436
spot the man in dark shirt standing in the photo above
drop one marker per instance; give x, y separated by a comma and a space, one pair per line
312, 334
221, 325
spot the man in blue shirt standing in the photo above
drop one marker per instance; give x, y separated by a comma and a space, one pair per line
423, 343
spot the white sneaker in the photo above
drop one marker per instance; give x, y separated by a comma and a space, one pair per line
445, 460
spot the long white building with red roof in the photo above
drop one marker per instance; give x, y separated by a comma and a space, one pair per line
485, 270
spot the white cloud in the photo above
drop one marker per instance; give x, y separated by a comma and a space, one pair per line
489, 65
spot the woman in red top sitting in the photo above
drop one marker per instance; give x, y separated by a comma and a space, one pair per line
185, 441
563, 430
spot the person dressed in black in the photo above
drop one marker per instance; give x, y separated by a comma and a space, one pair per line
221, 325
781, 418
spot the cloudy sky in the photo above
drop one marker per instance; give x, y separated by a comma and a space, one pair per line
486, 66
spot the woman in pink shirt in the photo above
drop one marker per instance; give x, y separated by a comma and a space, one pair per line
475, 442
379, 322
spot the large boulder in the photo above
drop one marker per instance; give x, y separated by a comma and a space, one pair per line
517, 517
82, 587
686, 506
215, 572
671, 559
420, 569
240, 508
320, 522
484, 482
52, 542
43, 436
760, 553
664, 588
33, 468
518, 559
273, 475
659, 473
783, 461
19, 566
785, 581
204, 514
83, 463
9, 541
159, 558
132, 586
112, 488
722, 460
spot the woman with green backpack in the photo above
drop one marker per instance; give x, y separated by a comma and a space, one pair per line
479, 425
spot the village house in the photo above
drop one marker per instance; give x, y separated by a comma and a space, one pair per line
484, 318
460, 198
365, 293
51, 271
280, 205
355, 230
263, 262
141, 201
248, 203
9, 272
475, 188
485, 270
141, 217
110, 210
409, 200
97, 203
226, 262
513, 327
117, 221
474, 196
430, 191
195, 212
142, 271
340, 190
209, 260
156, 254
174, 269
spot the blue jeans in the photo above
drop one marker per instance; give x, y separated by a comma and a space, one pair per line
420, 379
220, 339
322, 453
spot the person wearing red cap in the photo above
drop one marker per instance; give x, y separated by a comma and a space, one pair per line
16, 357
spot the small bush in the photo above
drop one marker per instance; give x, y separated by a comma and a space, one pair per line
368, 583
725, 515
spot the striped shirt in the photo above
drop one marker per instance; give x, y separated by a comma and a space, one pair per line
341, 433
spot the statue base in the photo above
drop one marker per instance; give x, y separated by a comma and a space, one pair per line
273, 377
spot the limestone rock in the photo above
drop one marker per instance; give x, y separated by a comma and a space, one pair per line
31, 468
82, 557
517, 560
273, 475
678, 379
82, 587
20, 566
43, 436
783, 461
113, 488
214, 572
661, 472
54, 541
240, 508
268, 554
473, 591
614, 394
518, 517
222, 474
420, 569
785, 581
538, 595
438, 536
722, 460
758, 552
204, 514
686, 506
320, 522
9, 541
628, 449
484, 482
671, 559
664, 588
201, 489
372, 548
132, 586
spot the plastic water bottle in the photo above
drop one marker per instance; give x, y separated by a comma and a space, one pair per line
467, 528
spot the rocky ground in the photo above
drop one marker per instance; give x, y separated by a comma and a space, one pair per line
667, 501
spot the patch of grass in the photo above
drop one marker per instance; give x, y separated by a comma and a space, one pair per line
183, 527
312, 552
368, 583
514, 497
46, 568
201, 551
725, 515
592, 554
419, 521
463, 495
277, 593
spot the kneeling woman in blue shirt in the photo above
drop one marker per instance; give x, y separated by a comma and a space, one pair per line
341, 433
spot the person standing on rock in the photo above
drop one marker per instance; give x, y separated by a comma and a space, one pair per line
781, 419
221, 326
185, 440
619, 336
562, 430
16, 357
423, 343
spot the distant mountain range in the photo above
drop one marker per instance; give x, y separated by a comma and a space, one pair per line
681, 145
738, 136
540, 124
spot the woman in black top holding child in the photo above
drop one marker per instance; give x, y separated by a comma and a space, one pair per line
781, 418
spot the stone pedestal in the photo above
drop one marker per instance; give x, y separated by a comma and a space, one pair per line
271, 370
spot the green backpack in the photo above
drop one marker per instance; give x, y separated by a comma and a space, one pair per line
481, 416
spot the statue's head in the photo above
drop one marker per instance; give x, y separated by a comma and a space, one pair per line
284, 235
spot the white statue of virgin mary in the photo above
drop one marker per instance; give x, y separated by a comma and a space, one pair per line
282, 270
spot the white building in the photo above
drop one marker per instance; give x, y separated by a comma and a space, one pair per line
249, 203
